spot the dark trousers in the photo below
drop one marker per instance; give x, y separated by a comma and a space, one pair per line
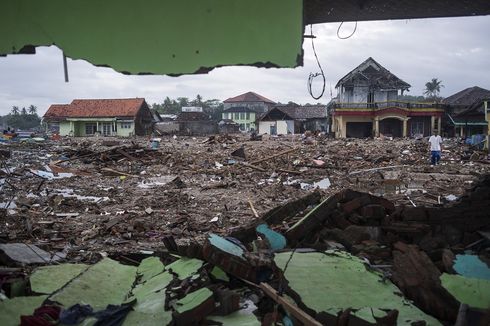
435, 157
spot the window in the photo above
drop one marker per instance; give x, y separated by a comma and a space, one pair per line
90, 128
237, 116
247, 126
225, 116
248, 115
126, 125
242, 126
242, 115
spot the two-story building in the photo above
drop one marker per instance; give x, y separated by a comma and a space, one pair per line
465, 111
106, 117
246, 109
367, 105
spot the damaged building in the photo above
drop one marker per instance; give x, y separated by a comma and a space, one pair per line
465, 111
105, 117
294, 119
367, 105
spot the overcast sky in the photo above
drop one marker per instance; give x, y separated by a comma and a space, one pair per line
455, 50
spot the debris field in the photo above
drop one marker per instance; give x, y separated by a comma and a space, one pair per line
228, 230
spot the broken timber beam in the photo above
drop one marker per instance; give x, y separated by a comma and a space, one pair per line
294, 310
252, 167
116, 172
312, 220
275, 155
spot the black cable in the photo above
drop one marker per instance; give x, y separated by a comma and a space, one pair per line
314, 75
345, 38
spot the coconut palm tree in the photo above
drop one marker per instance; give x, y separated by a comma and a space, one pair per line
15, 110
32, 109
433, 88
23, 111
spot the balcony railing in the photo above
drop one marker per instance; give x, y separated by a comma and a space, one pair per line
388, 104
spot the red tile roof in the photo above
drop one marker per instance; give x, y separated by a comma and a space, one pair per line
99, 108
248, 97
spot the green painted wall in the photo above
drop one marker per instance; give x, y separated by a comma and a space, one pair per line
79, 128
240, 119
123, 132
65, 128
159, 36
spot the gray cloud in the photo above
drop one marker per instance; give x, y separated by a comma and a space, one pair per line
454, 50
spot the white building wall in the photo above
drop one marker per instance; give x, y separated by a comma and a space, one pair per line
265, 127
282, 127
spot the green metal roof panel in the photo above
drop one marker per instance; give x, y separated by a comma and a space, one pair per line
159, 36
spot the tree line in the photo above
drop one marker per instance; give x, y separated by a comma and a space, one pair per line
213, 107
21, 118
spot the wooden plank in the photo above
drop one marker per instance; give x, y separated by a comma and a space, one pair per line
294, 310
275, 155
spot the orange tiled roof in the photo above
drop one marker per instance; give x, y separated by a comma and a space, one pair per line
96, 108
248, 97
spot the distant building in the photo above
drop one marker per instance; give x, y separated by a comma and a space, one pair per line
292, 119
107, 117
245, 109
251, 100
367, 105
243, 116
466, 112
195, 122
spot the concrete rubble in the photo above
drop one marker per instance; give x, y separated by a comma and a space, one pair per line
229, 230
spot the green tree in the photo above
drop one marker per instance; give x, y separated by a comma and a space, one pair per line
15, 110
433, 88
32, 109
183, 101
23, 111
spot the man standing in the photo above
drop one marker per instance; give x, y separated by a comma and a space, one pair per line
435, 147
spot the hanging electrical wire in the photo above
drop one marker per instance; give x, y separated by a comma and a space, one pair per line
314, 75
345, 38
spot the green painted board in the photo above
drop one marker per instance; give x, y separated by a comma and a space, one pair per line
192, 300
150, 267
472, 291
149, 310
156, 283
47, 279
335, 281
159, 36
238, 318
185, 267
107, 282
137, 318
219, 274
12, 309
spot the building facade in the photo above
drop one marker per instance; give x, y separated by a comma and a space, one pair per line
105, 117
367, 105
294, 119
465, 111
241, 115
245, 109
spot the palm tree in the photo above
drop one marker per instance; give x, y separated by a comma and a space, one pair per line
32, 109
15, 110
23, 111
433, 88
